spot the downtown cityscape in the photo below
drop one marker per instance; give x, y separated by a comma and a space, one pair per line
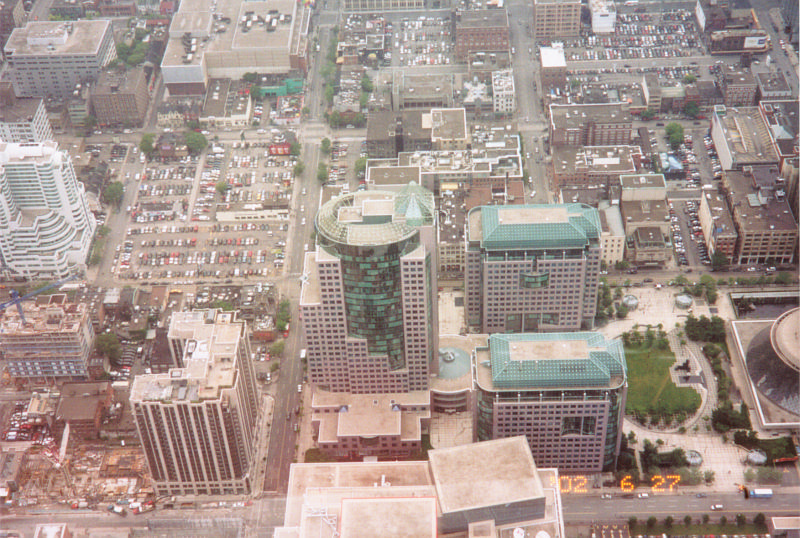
399, 269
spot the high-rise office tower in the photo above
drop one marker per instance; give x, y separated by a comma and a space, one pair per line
44, 215
565, 392
197, 423
368, 298
532, 268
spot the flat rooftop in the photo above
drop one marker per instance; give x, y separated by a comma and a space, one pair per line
774, 81
12, 153
572, 116
639, 211
22, 110
601, 160
552, 57
758, 213
210, 360
239, 43
643, 181
50, 38
720, 214
446, 123
485, 474
482, 18
746, 135
387, 176
370, 414
53, 316
395, 517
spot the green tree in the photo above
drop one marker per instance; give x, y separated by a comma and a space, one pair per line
621, 265
783, 278
325, 146
298, 169
622, 311
147, 144
276, 349
760, 519
366, 84
322, 173
741, 519
222, 187
113, 193
574, 83
689, 79
668, 521
295, 148
687, 520
632, 522
723, 520
708, 477
719, 259
196, 142
108, 345
648, 114
103, 231
691, 109
651, 522
706, 519
674, 134
361, 165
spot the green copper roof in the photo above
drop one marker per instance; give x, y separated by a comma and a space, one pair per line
557, 360
376, 217
539, 226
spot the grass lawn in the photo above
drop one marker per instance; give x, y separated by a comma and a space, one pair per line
650, 388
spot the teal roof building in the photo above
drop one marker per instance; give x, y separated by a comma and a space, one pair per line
532, 267
565, 392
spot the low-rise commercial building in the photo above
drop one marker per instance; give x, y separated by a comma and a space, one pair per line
552, 68
742, 138
484, 30
739, 88
227, 104
503, 95
604, 16
83, 406
594, 165
783, 121
766, 229
120, 98
590, 125
556, 18
565, 392
427, 499
719, 231
370, 425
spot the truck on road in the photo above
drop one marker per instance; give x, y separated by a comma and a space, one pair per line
760, 493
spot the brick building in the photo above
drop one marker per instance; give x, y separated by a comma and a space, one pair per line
481, 31
120, 97
603, 124
556, 18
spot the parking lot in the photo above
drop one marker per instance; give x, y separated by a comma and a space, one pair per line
669, 34
185, 223
424, 40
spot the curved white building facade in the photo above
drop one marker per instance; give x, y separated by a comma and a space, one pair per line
47, 225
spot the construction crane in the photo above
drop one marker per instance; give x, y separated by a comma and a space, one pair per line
16, 300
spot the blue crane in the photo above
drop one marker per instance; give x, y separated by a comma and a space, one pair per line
16, 300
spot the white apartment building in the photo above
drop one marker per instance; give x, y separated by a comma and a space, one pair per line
49, 58
197, 423
503, 91
45, 218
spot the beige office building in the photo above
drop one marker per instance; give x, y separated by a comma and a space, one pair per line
197, 423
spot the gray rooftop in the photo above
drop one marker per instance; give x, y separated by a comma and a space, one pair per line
51, 38
570, 116
483, 18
